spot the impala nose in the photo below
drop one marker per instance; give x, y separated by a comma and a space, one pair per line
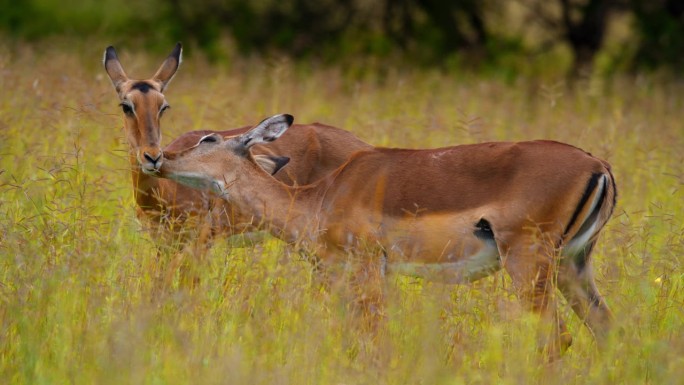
156, 161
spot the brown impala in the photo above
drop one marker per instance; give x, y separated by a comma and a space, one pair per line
314, 151
451, 214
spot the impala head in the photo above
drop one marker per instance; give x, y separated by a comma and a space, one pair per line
215, 161
143, 103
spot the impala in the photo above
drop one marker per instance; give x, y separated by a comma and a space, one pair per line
452, 214
166, 206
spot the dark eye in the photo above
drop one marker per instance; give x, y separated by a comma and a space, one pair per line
164, 108
209, 139
127, 109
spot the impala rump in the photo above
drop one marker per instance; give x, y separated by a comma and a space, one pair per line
453, 214
589, 209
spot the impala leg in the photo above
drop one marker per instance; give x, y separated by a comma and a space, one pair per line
166, 248
181, 249
193, 254
576, 282
365, 287
324, 277
356, 284
192, 258
173, 258
532, 270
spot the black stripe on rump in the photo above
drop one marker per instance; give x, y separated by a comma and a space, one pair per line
594, 214
593, 181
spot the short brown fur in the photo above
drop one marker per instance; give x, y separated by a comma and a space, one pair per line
422, 206
172, 209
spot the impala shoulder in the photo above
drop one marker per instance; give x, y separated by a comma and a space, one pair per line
323, 126
336, 132
367, 153
318, 126
359, 160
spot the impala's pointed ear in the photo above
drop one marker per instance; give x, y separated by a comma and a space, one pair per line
271, 164
169, 67
267, 131
114, 68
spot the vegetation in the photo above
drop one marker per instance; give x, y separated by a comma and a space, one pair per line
79, 302
615, 34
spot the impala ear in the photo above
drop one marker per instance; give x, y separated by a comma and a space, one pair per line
169, 67
271, 164
268, 130
114, 68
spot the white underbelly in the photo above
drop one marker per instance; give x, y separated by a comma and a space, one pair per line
467, 269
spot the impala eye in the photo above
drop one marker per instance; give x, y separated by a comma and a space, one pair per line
209, 139
127, 109
163, 109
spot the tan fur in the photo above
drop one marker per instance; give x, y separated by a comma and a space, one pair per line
314, 149
422, 207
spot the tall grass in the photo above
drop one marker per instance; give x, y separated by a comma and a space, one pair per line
78, 302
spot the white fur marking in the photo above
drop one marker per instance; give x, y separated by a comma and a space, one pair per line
196, 180
577, 244
469, 269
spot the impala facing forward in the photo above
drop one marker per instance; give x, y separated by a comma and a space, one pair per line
167, 207
451, 214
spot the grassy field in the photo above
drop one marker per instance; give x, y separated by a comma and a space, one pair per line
78, 303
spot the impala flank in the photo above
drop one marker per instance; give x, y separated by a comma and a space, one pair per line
452, 214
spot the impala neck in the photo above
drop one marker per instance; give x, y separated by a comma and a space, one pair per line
143, 184
290, 213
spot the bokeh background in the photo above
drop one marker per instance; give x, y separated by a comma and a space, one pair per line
87, 296
512, 37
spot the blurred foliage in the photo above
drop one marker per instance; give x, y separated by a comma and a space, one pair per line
478, 34
660, 27
34, 19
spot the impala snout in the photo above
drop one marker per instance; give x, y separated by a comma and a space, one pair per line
150, 159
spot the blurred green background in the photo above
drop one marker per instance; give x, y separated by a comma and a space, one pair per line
511, 37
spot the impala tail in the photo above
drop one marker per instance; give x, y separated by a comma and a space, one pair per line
593, 211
